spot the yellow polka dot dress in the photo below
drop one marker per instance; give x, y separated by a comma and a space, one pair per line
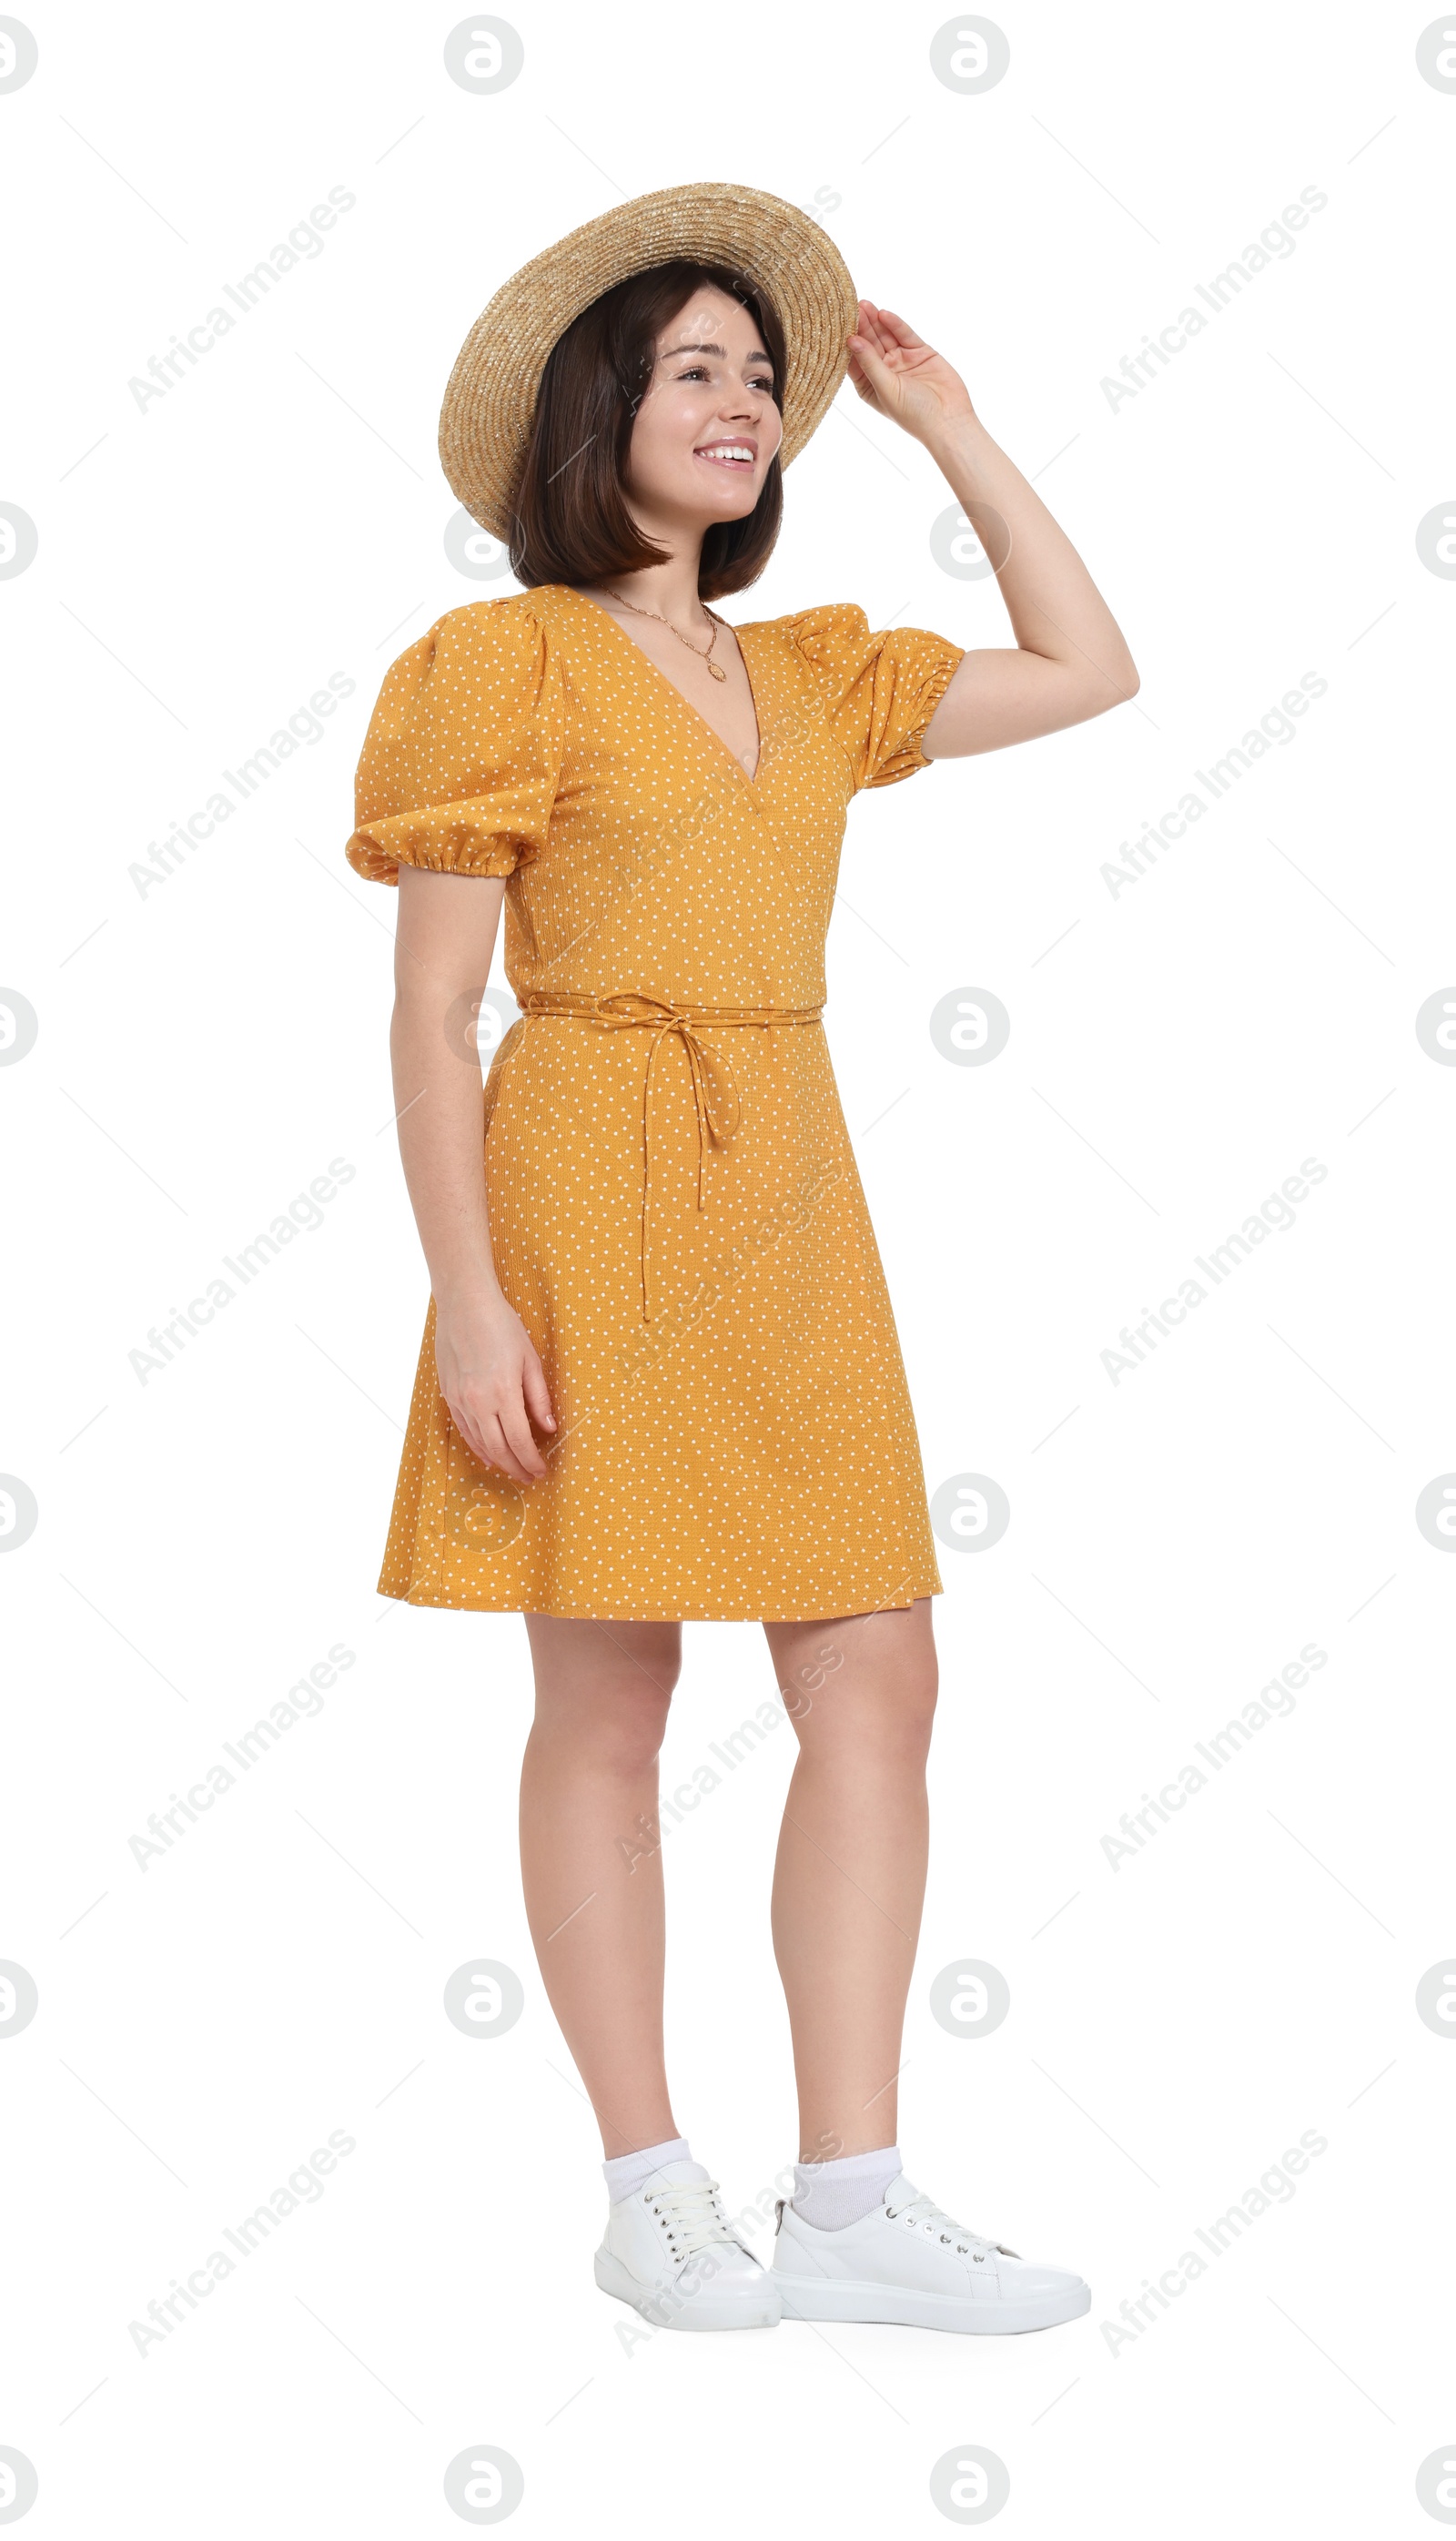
675, 1209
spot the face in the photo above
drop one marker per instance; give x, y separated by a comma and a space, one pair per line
707, 426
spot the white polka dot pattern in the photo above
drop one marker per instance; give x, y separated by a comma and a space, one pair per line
749, 1452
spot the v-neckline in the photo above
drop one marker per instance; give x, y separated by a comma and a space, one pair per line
685, 702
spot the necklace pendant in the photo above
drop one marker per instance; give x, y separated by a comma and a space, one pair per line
714, 673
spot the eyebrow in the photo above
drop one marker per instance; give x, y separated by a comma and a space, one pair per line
764, 359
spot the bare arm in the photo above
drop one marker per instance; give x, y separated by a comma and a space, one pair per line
1070, 660
490, 1373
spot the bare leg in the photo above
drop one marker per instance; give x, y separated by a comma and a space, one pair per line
850, 1880
590, 1860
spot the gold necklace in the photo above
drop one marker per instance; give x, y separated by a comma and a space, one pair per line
714, 671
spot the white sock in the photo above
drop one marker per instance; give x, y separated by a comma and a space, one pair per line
830, 2194
627, 2172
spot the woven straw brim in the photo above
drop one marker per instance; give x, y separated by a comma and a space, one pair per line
485, 419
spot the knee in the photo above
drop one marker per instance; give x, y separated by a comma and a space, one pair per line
615, 1723
909, 1707
886, 1722
628, 1726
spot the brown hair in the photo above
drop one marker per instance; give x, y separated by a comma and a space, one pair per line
571, 522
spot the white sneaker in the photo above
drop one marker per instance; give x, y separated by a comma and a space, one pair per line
910, 2263
669, 2251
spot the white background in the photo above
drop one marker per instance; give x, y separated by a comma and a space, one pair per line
1177, 1049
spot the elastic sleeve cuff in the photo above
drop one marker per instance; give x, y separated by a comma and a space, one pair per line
908, 758
450, 841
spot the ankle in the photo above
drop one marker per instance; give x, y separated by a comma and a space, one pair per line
627, 2172
833, 2194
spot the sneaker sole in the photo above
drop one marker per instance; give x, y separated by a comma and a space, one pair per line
686, 2311
899, 2307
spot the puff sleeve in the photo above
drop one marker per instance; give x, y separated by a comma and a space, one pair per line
880, 690
461, 761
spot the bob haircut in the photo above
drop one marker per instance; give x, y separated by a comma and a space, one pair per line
571, 523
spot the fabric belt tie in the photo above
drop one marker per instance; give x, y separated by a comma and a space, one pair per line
714, 1094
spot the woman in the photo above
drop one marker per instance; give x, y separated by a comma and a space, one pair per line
660, 1378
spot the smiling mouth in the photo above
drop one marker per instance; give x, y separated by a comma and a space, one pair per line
729, 454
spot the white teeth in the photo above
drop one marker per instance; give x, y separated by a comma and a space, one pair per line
726, 450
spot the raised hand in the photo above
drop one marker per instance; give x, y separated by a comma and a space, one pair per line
900, 376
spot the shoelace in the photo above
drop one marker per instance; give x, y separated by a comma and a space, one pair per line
923, 2210
691, 2214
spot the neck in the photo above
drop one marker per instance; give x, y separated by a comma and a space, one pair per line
669, 590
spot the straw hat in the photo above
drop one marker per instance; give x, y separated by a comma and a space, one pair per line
485, 419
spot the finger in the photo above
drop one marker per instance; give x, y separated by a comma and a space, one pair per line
901, 332
516, 1430
537, 1392
481, 1434
502, 1455
858, 381
870, 325
469, 1427
879, 376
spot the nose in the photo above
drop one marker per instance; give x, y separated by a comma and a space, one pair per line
751, 407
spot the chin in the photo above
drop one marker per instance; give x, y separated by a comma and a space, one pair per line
734, 503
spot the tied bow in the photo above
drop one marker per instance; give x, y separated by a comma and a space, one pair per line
714, 1098
714, 1094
